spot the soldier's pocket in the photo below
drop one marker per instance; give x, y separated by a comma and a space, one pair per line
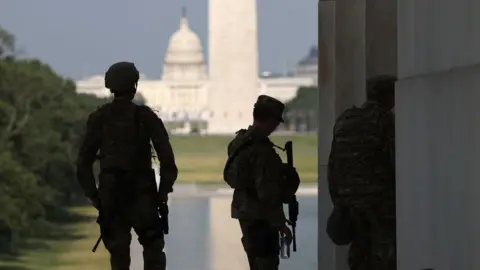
107, 186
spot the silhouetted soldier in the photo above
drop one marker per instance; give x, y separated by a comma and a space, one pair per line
361, 176
259, 178
127, 194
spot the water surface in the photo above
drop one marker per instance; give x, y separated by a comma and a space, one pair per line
204, 237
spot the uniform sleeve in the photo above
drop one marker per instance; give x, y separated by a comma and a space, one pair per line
87, 156
268, 174
166, 157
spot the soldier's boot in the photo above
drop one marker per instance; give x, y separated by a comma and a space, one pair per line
266, 263
153, 255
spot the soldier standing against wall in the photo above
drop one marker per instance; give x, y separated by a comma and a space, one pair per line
127, 194
361, 177
259, 178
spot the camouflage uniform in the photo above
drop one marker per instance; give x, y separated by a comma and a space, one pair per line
361, 175
258, 203
127, 191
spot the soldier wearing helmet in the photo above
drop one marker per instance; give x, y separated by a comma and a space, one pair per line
361, 178
127, 196
257, 174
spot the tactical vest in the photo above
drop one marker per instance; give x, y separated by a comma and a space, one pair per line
122, 147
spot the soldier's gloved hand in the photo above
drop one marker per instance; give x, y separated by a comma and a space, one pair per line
165, 188
162, 196
285, 231
290, 172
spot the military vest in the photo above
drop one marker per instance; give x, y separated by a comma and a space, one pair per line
123, 145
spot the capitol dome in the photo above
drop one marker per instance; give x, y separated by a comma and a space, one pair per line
184, 57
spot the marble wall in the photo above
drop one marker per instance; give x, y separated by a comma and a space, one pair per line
438, 134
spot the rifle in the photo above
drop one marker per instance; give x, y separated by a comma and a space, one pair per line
163, 212
97, 243
293, 203
99, 220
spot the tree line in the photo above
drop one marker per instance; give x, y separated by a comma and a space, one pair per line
301, 113
42, 119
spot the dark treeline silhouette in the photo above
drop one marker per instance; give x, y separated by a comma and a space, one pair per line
42, 119
301, 112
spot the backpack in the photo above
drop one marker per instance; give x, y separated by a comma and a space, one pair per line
356, 142
235, 172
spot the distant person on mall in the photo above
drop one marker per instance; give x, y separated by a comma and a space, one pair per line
361, 177
127, 194
262, 184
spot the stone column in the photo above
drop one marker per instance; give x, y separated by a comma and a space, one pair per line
357, 39
326, 87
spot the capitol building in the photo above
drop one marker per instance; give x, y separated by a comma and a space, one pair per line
187, 92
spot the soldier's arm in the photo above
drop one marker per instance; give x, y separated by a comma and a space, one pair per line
87, 156
166, 157
268, 174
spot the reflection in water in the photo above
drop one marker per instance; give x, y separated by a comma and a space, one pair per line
204, 237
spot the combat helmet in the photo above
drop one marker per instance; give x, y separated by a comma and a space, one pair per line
121, 76
380, 85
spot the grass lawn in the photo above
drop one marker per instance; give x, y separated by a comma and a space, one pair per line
71, 252
201, 159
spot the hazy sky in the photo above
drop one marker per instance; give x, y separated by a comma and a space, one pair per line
79, 38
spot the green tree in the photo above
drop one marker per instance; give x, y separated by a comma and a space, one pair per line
42, 119
301, 112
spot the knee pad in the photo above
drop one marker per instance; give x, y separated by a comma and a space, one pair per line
119, 244
152, 238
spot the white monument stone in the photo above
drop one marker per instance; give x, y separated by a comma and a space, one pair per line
234, 84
